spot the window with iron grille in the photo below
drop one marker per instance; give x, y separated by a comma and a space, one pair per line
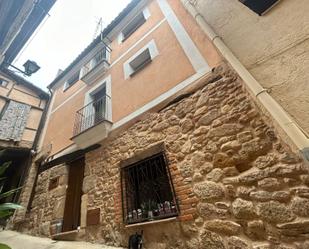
147, 190
261, 6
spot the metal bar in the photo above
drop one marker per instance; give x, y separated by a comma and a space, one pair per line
171, 182
143, 177
122, 202
90, 115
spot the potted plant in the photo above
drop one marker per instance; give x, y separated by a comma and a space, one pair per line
6, 209
148, 207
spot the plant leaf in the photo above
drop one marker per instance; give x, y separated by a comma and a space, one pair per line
2, 152
3, 167
5, 213
8, 193
9, 206
4, 246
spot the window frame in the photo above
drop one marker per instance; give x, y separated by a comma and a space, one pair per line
104, 83
145, 13
138, 163
141, 65
75, 76
4, 80
139, 19
129, 71
250, 5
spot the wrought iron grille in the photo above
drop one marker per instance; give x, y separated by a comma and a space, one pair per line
90, 115
147, 191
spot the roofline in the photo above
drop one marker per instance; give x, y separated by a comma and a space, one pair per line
97, 40
35, 18
22, 81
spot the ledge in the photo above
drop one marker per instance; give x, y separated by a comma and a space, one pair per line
151, 222
69, 235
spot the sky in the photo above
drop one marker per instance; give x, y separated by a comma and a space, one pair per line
63, 35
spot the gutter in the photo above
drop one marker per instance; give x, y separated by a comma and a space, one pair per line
290, 127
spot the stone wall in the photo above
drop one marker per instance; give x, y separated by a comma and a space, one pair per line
239, 185
273, 47
48, 204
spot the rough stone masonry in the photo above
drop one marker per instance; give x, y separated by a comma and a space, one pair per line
238, 183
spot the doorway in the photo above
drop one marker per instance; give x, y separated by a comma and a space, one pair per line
71, 218
99, 105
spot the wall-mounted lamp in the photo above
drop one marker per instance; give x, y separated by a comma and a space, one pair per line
30, 68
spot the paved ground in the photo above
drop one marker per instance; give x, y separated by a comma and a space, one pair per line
22, 241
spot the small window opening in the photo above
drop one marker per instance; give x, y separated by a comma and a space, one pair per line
3, 82
140, 61
53, 183
72, 80
138, 21
259, 6
147, 191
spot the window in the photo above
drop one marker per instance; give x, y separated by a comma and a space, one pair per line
261, 6
71, 81
3, 82
140, 61
93, 113
97, 107
142, 58
147, 190
53, 183
138, 21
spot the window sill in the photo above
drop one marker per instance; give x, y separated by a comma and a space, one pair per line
68, 87
151, 222
145, 64
69, 235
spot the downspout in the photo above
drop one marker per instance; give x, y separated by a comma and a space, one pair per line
42, 123
290, 127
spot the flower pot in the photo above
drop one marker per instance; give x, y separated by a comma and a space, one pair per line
150, 215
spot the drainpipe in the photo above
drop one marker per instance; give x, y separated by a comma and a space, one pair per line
42, 122
291, 128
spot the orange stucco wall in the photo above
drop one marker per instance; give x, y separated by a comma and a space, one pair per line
166, 70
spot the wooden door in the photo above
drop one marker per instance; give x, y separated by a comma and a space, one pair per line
71, 219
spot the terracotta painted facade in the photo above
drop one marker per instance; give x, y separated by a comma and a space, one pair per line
167, 70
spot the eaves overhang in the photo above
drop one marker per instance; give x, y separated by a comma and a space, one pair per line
97, 40
22, 29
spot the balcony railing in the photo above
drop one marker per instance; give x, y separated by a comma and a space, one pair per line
97, 66
91, 115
